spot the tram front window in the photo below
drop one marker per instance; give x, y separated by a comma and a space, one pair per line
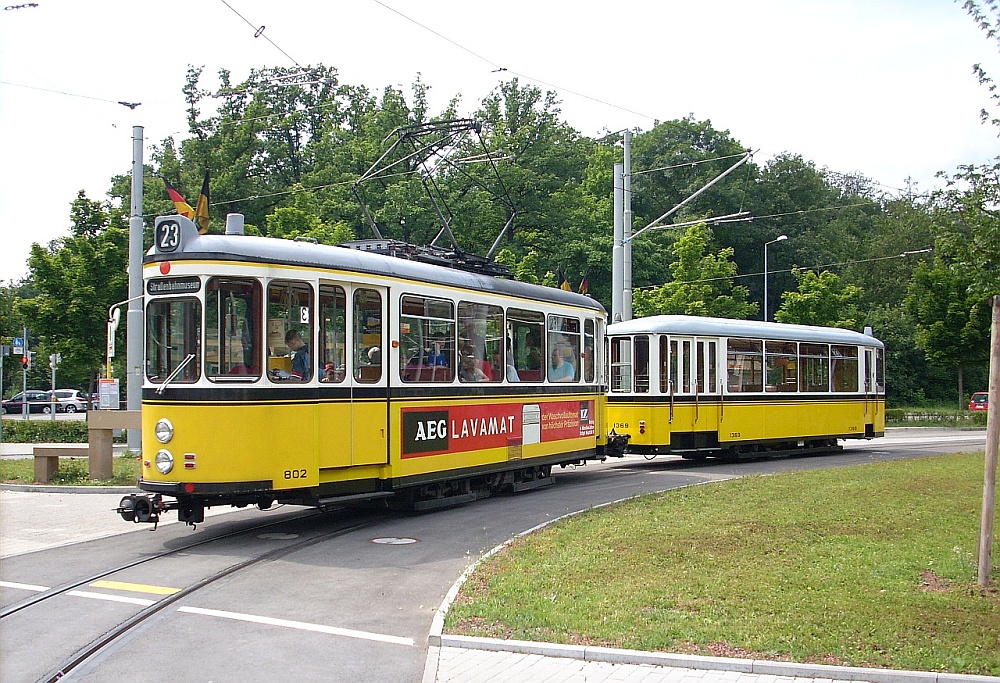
232, 321
173, 334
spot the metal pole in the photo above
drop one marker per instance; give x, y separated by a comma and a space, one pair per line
52, 399
765, 281
617, 250
24, 378
992, 446
627, 229
135, 322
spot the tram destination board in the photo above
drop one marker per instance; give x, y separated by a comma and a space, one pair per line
173, 285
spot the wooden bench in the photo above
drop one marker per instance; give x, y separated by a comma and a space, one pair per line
99, 449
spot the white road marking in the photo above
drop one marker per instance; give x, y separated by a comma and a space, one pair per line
112, 598
301, 625
23, 586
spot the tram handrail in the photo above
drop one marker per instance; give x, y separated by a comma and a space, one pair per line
177, 370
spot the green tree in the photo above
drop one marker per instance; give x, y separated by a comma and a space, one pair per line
953, 323
76, 279
702, 283
821, 299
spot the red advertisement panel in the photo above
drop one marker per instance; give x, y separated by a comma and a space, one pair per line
457, 429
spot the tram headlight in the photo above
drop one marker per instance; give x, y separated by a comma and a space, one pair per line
164, 430
164, 461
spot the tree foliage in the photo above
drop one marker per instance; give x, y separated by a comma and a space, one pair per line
701, 282
822, 299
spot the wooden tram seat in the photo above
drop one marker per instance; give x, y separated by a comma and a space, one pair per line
530, 375
427, 373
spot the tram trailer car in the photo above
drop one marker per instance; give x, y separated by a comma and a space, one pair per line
418, 383
700, 387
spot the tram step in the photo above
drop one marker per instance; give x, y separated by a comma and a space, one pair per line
519, 486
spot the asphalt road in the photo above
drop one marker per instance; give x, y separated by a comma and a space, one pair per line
353, 605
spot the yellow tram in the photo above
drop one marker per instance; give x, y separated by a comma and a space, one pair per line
697, 386
292, 372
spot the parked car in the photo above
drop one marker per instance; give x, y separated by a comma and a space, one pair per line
979, 401
71, 400
38, 402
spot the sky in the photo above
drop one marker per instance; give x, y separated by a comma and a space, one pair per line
883, 88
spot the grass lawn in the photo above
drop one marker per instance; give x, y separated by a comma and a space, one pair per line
871, 565
72, 472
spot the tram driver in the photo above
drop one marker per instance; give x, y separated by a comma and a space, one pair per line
300, 356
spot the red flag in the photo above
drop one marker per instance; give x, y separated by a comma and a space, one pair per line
182, 207
201, 207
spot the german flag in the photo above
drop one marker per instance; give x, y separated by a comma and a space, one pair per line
201, 208
563, 282
182, 207
584, 285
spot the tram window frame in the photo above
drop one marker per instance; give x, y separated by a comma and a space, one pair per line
705, 380
744, 365
423, 323
563, 333
367, 329
529, 361
588, 358
189, 315
814, 367
479, 321
333, 333
219, 366
781, 366
286, 296
666, 371
879, 371
620, 358
844, 368
640, 363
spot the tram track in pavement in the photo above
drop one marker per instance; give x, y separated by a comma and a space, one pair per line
108, 639
72, 585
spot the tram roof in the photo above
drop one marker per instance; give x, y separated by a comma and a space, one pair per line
754, 329
269, 250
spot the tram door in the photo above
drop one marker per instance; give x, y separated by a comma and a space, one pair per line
369, 394
353, 426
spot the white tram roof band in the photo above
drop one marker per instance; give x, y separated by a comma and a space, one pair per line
269, 250
696, 326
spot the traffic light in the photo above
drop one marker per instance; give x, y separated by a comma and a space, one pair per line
25, 362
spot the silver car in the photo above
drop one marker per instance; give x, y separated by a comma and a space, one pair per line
70, 400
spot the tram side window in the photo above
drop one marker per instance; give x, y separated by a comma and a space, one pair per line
232, 329
814, 367
745, 365
480, 328
289, 331
563, 343
879, 371
782, 366
589, 356
705, 372
173, 340
367, 335
426, 339
665, 356
526, 328
844, 367
333, 333
621, 365
641, 365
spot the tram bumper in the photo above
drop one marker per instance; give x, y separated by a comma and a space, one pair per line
617, 443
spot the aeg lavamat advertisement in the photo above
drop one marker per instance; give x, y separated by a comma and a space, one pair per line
455, 429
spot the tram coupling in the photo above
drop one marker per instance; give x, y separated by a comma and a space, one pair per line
140, 508
617, 443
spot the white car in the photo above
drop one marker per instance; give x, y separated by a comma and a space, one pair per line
70, 400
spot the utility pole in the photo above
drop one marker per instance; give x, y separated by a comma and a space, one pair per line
134, 321
618, 249
627, 228
992, 446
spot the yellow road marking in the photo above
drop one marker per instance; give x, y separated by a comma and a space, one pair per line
135, 587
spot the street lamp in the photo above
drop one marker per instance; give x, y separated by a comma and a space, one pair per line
766, 244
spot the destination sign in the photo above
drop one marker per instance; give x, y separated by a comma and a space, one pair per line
173, 285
